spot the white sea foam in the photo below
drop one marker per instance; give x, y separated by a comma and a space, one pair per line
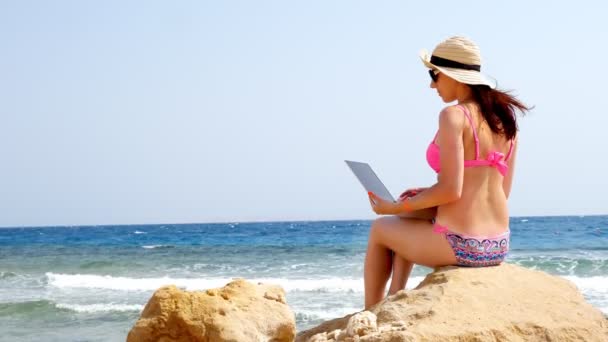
524, 220
102, 307
139, 232
150, 284
325, 314
156, 246
595, 289
296, 266
597, 283
4, 275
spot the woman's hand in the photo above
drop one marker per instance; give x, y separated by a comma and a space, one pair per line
383, 207
411, 193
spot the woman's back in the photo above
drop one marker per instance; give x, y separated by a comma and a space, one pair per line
481, 209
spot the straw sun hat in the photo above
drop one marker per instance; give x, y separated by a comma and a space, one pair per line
460, 59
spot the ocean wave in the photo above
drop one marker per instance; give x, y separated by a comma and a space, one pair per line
39, 307
313, 316
596, 284
296, 266
96, 264
139, 232
594, 289
101, 307
7, 275
578, 263
548, 250
151, 284
47, 307
157, 246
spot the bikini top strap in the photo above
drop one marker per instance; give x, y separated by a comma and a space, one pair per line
466, 112
510, 150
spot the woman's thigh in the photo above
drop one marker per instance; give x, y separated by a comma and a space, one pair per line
414, 240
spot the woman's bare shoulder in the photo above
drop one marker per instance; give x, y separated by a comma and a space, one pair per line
451, 117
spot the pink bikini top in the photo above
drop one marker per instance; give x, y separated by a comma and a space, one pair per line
494, 159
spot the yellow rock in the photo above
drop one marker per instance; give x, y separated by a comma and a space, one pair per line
502, 303
239, 312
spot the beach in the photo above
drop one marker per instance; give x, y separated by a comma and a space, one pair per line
89, 283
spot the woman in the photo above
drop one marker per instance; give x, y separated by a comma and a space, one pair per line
463, 218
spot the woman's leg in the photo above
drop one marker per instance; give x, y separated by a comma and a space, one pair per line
401, 267
401, 272
411, 239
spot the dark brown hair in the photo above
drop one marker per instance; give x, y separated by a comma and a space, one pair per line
498, 109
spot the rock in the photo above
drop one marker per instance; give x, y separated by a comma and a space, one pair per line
362, 323
502, 303
240, 311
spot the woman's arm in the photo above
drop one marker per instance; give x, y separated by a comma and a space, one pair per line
449, 181
423, 214
508, 180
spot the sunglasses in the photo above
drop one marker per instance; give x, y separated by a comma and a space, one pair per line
434, 75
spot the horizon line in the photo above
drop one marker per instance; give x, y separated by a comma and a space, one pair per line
253, 221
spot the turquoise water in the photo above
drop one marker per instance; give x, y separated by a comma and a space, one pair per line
90, 283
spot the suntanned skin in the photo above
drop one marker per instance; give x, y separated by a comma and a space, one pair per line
471, 201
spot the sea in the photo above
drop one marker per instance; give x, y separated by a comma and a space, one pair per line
90, 283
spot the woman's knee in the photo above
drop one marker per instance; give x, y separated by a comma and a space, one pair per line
379, 227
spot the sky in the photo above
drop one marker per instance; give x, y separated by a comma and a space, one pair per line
142, 112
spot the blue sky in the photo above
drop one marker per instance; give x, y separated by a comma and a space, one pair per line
133, 112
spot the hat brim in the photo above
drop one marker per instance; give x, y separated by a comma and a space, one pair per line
472, 77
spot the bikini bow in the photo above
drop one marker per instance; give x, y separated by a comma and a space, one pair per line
496, 159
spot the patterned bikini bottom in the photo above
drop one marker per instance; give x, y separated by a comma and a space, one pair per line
475, 251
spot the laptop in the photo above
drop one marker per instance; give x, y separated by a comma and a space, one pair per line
369, 179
